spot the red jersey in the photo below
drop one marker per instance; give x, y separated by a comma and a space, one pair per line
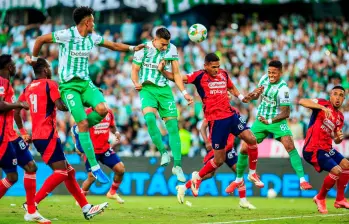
320, 128
213, 93
100, 132
40, 95
7, 133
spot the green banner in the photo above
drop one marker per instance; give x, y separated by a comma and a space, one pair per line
21, 4
178, 6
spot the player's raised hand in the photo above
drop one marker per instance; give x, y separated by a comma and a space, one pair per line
328, 112
339, 134
161, 66
263, 120
29, 60
189, 98
138, 86
24, 105
139, 47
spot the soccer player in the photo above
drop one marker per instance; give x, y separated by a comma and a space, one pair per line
156, 95
213, 85
326, 123
273, 111
76, 88
43, 98
230, 160
13, 149
104, 153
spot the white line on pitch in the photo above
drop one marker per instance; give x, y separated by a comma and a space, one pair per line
277, 218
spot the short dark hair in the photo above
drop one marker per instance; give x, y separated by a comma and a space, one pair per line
81, 12
163, 33
39, 66
275, 64
4, 60
211, 57
338, 87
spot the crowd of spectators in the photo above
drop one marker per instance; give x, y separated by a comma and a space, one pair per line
315, 55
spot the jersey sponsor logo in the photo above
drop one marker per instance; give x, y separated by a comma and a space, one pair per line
285, 101
99, 132
267, 100
328, 123
150, 65
217, 85
79, 54
34, 85
2, 90
70, 96
103, 125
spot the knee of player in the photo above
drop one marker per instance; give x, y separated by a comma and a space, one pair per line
219, 161
102, 109
251, 140
83, 126
345, 164
32, 168
119, 169
12, 177
337, 170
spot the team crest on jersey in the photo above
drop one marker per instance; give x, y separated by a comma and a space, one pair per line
2, 90
107, 117
338, 122
287, 95
70, 96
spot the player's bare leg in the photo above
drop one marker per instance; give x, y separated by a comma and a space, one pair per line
87, 146
329, 182
210, 167
296, 161
341, 201
119, 170
87, 183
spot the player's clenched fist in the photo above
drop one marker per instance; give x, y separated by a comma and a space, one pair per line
138, 86
189, 98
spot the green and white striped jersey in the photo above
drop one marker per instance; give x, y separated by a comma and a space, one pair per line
273, 97
149, 58
74, 51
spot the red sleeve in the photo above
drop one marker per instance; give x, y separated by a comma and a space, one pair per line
229, 82
3, 87
112, 119
54, 93
21, 98
192, 77
340, 126
322, 102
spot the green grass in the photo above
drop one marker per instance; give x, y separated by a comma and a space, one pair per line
62, 209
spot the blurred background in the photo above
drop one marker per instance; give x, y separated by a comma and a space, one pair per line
310, 37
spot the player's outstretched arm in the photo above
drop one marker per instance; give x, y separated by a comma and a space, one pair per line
169, 75
19, 122
120, 46
179, 81
41, 40
313, 104
203, 132
5, 106
338, 136
135, 77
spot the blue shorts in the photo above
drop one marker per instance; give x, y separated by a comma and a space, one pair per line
51, 149
230, 159
323, 160
220, 130
8, 162
22, 151
109, 158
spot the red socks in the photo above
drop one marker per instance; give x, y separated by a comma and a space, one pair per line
329, 182
114, 187
188, 184
73, 187
5, 184
50, 184
30, 189
341, 184
242, 191
208, 168
252, 151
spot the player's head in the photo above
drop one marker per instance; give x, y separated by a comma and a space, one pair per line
162, 39
211, 64
83, 16
42, 69
7, 65
274, 71
337, 96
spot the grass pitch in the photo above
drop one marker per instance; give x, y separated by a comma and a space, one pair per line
62, 209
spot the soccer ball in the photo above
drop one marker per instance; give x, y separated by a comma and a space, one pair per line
197, 33
271, 193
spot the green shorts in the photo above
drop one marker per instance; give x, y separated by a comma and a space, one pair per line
160, 98
279, 129
78, 94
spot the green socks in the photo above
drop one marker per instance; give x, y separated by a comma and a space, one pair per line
241, 165
154, 132
93, 118
296, 163
87, 146
175, 142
